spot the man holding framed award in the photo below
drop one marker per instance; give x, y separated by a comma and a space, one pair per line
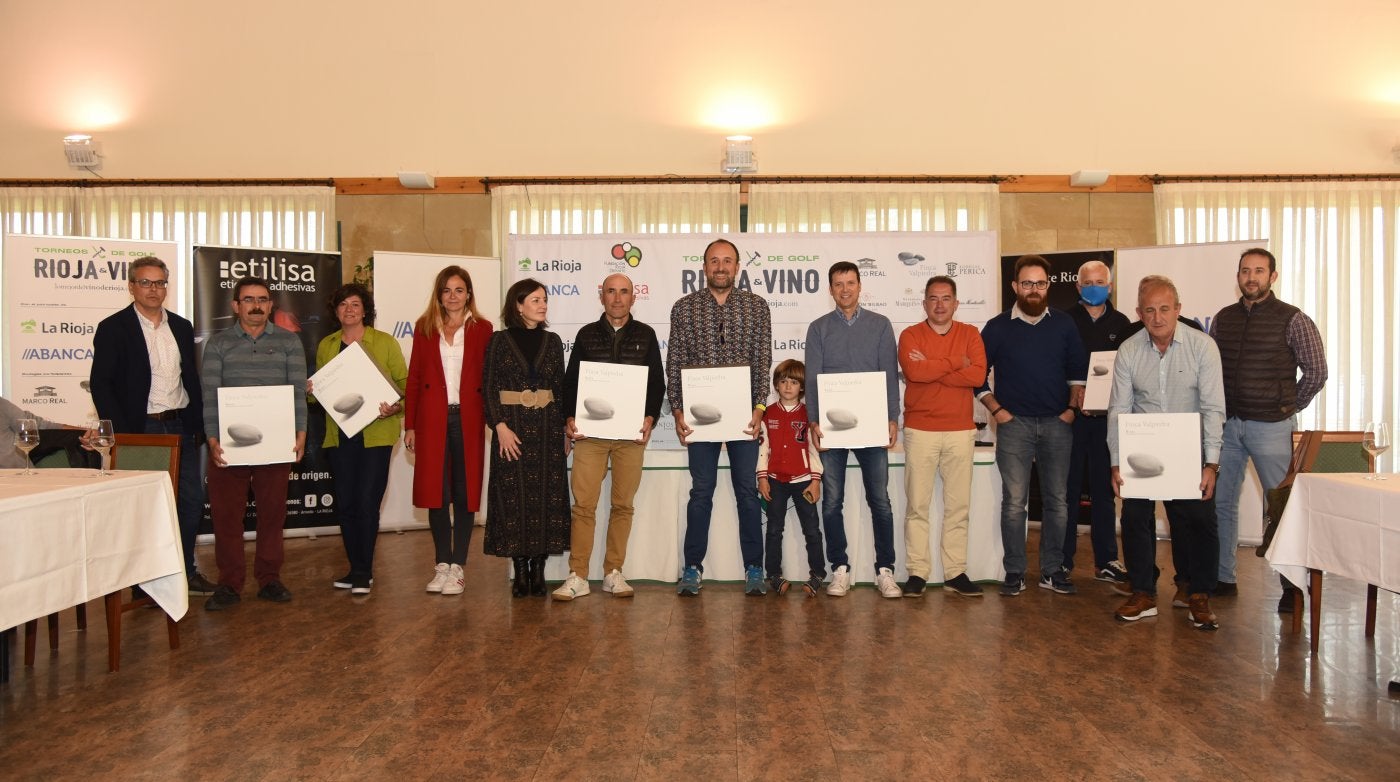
256, 359
720, 326
852, 339
616, 338
1164, 369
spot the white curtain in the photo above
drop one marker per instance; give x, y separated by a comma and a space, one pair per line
605, 209
276, 217
1336, 248
860, 206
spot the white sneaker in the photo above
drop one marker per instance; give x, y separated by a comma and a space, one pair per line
440, 574
572, 587
884, 581
456, 581
840, 582
616, 584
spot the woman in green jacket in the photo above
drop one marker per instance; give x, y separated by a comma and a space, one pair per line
360, 464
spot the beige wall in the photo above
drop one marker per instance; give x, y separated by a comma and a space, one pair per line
1050, 222
447, 224
358, 88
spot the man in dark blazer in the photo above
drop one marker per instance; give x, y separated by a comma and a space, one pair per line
145, 380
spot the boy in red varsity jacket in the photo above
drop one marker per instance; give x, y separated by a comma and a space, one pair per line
789, 468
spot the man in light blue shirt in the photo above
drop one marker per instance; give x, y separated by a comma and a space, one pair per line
1166, 369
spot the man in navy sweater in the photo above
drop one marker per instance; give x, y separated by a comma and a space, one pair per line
1038, 364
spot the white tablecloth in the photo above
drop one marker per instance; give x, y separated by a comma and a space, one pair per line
1342, 524
658, 525
70, 536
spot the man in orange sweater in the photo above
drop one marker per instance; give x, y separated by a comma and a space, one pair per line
943, 361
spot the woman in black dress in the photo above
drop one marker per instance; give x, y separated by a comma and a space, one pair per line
528, 510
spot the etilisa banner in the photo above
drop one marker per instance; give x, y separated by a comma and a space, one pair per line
301, 286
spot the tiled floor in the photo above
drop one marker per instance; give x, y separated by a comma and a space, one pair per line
404, 685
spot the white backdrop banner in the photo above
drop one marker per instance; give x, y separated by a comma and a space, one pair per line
1204, 275
789, 270
403, 283
57, 289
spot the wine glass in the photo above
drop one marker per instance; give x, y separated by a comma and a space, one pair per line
27, 439
103, 437
1376, 440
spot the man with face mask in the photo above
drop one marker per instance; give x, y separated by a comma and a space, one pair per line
1101, 328
1263, 345
1038, 365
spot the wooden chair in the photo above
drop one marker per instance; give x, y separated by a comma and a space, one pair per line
140, 452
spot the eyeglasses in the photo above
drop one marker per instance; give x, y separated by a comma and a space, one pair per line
160, 284
1034, 285
250, 300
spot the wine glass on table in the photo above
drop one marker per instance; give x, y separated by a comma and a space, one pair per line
1376, 440
27, 439
102, 437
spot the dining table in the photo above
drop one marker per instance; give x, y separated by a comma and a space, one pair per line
1345, 524
72, 535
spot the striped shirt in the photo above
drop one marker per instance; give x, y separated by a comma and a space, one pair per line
234, 359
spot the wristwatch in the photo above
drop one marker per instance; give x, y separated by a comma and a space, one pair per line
1212, 466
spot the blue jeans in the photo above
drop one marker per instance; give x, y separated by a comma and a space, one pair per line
875, 474
189, 495
1270, 444
1088, 463
1045, 441
704, 472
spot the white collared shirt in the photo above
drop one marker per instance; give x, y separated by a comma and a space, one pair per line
451, 353
167, 392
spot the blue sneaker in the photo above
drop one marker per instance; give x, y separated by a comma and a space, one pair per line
690, 582
753, 581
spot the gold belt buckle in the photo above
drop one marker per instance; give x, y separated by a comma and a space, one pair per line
528, 397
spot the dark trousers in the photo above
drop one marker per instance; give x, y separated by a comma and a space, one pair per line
1194, 538
1088, 464
360, 476
189, 495
452, 534
228, 504
806, 516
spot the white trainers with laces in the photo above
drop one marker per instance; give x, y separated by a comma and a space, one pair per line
456, 581
616, 584
840, 582
440, 574
572, 587
884, 581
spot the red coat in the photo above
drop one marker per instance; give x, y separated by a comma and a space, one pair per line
425, 413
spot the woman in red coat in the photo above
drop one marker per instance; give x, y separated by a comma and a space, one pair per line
443, 422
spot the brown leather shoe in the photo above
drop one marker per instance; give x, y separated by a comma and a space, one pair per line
1181, 599
1200, 613
1138, 606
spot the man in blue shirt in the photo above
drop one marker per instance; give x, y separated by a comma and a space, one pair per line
1168, 369
851, 338
1038, 363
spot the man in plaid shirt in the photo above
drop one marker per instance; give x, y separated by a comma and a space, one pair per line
720, 325
1263, 345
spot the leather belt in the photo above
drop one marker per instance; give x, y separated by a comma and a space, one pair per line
164, 415
527, 398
